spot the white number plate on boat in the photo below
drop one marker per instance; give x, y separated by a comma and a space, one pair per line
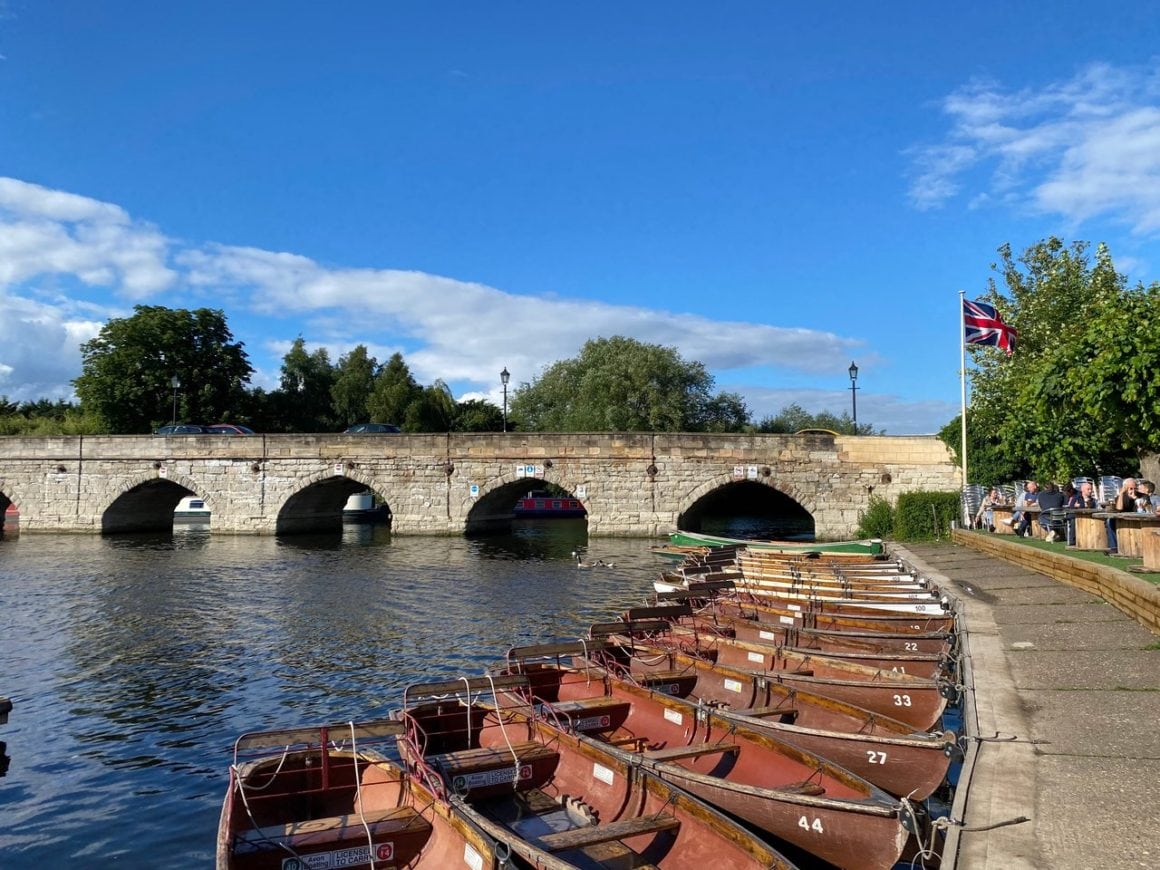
340, 858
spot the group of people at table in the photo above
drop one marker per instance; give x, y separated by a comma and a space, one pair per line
1055, 509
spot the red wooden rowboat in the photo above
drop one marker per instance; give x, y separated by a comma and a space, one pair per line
554, 799
790, 793
891, 754
326, 797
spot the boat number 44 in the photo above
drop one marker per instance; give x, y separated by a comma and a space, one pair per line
807, 824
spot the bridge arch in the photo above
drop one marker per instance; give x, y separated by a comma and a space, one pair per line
7, 500
776, 497
492, 510
146, 502
317, 505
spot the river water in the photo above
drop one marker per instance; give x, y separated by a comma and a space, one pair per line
133, 662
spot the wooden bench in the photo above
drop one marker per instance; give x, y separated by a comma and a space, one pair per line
578, 838
762, 712
592, 714
495, 768
693, 750
389, 823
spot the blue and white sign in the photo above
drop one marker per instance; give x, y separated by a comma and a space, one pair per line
474, 490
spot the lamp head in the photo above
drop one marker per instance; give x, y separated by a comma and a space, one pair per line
853, 372
505, 376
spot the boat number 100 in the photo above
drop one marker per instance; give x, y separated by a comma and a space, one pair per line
807, 825
902, 700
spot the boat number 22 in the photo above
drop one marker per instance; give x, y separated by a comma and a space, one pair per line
807, 825
902, 700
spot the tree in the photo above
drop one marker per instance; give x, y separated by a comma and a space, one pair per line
431, 410
478, 415
126, 369
1077, 396
793, 418
619, 384
305, 385
395, 389
353, 384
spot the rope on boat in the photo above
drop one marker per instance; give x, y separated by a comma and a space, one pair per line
250, 813
1013, 738
928, 850
503, 731
358, 797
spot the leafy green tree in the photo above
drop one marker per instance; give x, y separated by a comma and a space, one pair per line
126, 369
305, 385
353, 384
619, 384
431, 410
989, 463
1071, 399
394, 391
478, 415
793, 418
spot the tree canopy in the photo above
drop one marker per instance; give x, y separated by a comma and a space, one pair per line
127, 369
793, 418
1079, 396
619, 384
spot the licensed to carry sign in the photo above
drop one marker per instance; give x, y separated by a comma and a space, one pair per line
352, 857
466, 781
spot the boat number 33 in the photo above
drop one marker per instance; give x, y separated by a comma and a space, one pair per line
814, 825
902, 700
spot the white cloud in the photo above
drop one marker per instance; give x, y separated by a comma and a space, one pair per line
48, 232
1085, 147
55, 246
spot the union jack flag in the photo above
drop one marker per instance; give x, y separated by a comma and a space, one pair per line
985, 326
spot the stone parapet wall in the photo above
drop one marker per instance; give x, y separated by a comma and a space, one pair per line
1137, 598
632, 484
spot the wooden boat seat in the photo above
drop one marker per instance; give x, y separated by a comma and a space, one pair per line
388, 823
578, 838
693, 750
473, 770
761, 712
593, 714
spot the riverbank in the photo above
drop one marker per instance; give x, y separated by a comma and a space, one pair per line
1065, 697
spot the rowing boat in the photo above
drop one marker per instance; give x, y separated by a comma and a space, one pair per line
557, 800
753, 775
326, 797
872, 547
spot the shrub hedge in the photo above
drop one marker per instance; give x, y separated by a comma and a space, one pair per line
925, 516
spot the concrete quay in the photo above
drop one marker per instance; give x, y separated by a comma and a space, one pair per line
1077, 683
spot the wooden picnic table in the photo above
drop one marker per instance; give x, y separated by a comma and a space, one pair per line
1130, 531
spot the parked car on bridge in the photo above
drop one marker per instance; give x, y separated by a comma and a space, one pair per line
229, 429
182, 429
372, 429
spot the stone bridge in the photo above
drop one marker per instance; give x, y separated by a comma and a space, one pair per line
630, 484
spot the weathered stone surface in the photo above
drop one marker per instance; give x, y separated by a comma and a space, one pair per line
250, 482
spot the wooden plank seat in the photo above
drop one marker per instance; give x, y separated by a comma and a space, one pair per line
592, 714
578, 838
393, 822
693, 750
676, 683
494, 769
762, 712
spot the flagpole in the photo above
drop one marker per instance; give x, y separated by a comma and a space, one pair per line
963, 379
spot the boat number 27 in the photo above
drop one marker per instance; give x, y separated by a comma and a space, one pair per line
814, 825
876, 757
902, 700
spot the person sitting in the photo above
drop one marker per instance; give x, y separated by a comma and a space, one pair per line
1144, 490
1020, 521
1125, 503
985, 518
1050, 499
1083, 500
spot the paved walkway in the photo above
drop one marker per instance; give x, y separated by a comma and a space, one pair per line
1054, 664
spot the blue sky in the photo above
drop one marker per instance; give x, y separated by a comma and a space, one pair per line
773, 189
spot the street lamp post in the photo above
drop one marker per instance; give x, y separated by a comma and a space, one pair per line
505, 376
853, 370
175, 383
